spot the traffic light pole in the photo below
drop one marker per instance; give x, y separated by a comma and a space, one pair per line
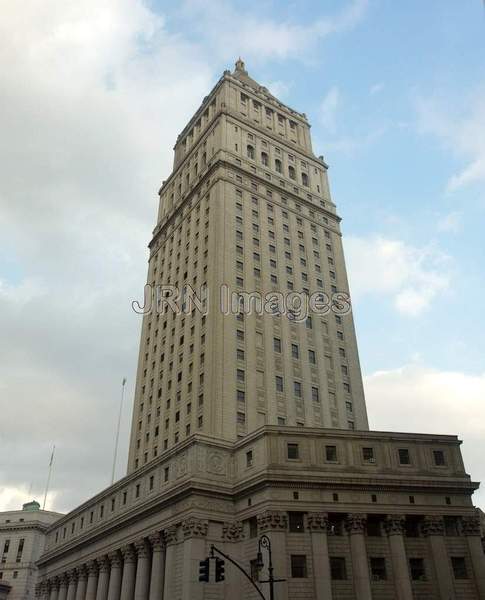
265, 542
214, 549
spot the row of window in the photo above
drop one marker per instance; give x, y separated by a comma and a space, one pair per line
7, 547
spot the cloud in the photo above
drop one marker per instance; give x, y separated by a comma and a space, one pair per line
420, 399
412, 277
457, 124
450, 223
328, 109
279, 89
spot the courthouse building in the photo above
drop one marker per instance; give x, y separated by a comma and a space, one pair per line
251, 424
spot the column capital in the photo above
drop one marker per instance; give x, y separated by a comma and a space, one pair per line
113, 560
193, 527
157, 541
92, 567
129, 554
170, 534
317, 522
37, 590
470, 525
232, 531
355, 523
394, 524
433, 525
62, 579
54, 583
72, 576
104, 562
142, 548
272, 520
82, 572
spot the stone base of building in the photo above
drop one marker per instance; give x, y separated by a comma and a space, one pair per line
349, 514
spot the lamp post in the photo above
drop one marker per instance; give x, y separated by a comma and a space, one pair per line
265, 542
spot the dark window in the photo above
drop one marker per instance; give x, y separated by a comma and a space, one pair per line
253, 527
336, 523
411, 525
378, 568
331, 453
338, 570
416, 567
368, 454
404, 458
296, 522
373, 526
249, 458
451, 526
459, 567
293, 451
298, 566
439, 458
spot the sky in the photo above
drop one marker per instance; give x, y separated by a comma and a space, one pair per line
93, 96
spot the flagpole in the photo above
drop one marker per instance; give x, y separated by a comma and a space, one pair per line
49, 476
123, 383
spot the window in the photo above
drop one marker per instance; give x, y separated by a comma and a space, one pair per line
304, 179
368, 455
311, 357
277, 165
404, 458
249, 458
416, 568
338, 570
296, 522
298, 566
451, 526
315, 394
279, 383
276, 344
439, 458
264, 159
373, 526
294, 351
250, 152
291, 172
459, 567
297, 389
378, 568
331, 453
253, 527
292, 451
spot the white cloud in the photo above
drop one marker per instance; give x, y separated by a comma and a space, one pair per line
412, 277
279, 89
419, 399
459, 125
328, 109
450, 223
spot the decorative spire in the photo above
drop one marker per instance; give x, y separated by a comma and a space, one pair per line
240, 66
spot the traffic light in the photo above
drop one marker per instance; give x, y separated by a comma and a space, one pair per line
219, 569
204, 570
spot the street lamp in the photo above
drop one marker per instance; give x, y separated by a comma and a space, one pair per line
265, 542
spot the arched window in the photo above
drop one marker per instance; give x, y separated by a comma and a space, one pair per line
250, 152
304, 179
291, 172
264, 159
277, 165
204, 158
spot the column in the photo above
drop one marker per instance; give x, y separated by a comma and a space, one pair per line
194, 532
82, 580
92, 568
317, 524
355, 525
62, 587
394, 526
471, 529
54, 588
275, 525
71, 585
103, 577
232, 534
43, 590
158, 566
433, 529
115, 564
170, 535
142, 583
129, 571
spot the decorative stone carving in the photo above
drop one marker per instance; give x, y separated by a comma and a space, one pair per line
394, 524
142, 548
433, 526
104, 562
129, 554
232, 532
317, 522
82, 572
72, 576
170, 534
272, 520
92, 567
216, 463
63, 579
355, 523
470, 525
157, 541
181, 465
37, 590
54, 583
193, 527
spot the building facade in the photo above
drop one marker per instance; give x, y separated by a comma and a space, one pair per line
250, 423
22, 539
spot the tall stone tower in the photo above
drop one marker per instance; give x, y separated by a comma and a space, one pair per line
247, 206
252, 425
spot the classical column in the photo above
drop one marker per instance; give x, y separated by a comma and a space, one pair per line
194, 532
82, 580
275, 525
232, 533
72, 583
471, 529
394, 526
355, 525
433, 529
129, 570
142, 583
43, 590
92, 568
115, 563
103, 578
54, 588
62, 587
170, 541
158, 566
317, 524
